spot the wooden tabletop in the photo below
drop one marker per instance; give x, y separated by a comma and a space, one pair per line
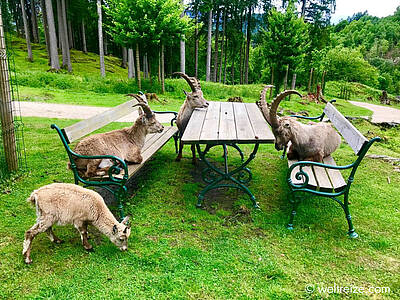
228, 122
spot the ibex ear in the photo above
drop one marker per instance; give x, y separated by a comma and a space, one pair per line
185, 92
115, 229
125, 220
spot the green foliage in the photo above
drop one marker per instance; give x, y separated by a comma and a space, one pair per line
348, 64
146, 22
284, 41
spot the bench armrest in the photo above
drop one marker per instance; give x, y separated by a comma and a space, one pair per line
301, 174
115, 169
168, 112
320, 117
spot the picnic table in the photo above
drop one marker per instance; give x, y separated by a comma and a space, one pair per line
227, 124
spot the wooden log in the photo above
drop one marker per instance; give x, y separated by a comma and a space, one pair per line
7, 124
293, 83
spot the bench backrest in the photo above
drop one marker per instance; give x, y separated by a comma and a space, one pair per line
352, 136
84, 127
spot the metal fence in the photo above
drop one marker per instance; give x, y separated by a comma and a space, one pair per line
12, 145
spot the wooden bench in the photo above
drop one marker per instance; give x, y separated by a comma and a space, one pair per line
325, 179
118, 175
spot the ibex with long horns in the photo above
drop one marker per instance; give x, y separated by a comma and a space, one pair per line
125, 143
310, 142
194, 99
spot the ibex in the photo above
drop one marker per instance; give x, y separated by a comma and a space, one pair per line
65, 203
310, 142
125, 143
193, 100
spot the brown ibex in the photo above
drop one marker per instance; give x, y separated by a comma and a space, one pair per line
125, 143
194, 99
311, 142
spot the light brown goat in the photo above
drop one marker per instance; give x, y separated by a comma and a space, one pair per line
194, 99
125, 143
65, 203
311, 142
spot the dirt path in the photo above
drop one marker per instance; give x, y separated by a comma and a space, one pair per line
381, 114
66, 111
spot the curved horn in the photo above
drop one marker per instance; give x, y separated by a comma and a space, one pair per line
189, 80
274, 107
146, 109
262, 104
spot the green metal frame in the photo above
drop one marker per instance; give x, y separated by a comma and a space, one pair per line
213, 176
118, 166
301, 174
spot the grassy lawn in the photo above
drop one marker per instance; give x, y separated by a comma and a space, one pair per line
226, 250
176, 251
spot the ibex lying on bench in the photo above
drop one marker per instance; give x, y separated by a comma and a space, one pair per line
125, 143
311, 142
193, 100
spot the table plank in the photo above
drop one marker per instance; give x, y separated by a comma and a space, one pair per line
260, 126
194, 127
227, 128
211, 122
244, 130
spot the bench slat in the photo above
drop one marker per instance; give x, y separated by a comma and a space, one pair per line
335, 176
311, 182
84, 127
352, 136
324, 183
162, 139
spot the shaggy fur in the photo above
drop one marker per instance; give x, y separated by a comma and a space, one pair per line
193, 100
126, 143
310, 142
64, 203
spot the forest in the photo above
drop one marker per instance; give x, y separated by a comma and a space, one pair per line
231, 42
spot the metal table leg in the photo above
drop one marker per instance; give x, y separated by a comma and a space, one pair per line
214, 176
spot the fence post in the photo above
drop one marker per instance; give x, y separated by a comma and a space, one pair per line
7, 124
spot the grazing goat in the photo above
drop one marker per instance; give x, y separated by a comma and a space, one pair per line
311, 142
193, 100
65, 203
125, 143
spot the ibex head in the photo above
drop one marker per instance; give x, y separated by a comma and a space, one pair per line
195, 98
281, 127
146, 116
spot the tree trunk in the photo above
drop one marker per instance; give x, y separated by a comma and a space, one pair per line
226, 52
46, 30
6, 116
162, 69
35, 29
159, 67
208, 64
222, 46
101, 45
272, 82
286, 78
124, 57
84, 47
303, 7
105, 45
138, 67
59, 23
246, 69
131, 64
215, 70
70, 36
64, 37
233, 70
293, 83
26, 29
182, 47
240, 54
55, 64
309, 80
196, 48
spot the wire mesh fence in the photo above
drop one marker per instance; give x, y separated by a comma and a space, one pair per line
12, 145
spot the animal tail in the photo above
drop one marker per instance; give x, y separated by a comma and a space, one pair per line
33, 197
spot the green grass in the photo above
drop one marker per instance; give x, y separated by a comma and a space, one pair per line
177, 251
